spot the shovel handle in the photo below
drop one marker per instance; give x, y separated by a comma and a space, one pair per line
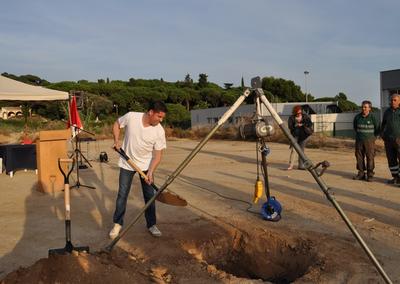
66, 175
132, 164
65, 160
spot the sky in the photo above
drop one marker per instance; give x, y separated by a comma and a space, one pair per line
343, 44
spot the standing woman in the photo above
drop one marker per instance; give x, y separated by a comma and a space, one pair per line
300, 127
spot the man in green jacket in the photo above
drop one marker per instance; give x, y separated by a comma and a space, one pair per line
366, 127
391, 136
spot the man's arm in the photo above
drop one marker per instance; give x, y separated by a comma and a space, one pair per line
157, 154
116, 131
355, 123
377, 127
383, 125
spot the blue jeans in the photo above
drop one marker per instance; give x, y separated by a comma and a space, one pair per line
125, 182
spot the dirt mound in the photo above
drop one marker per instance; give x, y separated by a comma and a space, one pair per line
118, 267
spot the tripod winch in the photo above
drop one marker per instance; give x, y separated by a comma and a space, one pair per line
259, 128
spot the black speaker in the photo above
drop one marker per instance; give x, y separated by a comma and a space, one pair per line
103, 157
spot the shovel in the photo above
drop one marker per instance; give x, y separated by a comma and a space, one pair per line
165, 196
68, 245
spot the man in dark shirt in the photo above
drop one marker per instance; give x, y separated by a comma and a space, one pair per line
391, 136
366, 127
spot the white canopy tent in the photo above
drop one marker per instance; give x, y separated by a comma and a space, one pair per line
11, 90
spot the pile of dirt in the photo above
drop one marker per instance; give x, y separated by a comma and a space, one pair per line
118, 267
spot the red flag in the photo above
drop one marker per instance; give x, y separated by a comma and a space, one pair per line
74, 119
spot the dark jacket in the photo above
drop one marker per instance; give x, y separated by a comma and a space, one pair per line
391, 124
300, 132
366, 128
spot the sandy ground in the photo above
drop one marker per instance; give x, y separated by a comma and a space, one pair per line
214, 239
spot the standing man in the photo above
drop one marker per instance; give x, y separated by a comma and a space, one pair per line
391, 136
366, 127
144, 141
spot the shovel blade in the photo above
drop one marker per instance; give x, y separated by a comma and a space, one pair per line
68, 250
171, 199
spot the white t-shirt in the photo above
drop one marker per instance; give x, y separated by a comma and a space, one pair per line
139, 141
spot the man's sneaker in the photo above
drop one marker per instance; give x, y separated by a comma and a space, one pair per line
359, 176
370, 179
155, 231
395, 180
115, 231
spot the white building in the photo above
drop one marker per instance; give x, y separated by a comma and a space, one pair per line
7, 112
390, 84
326, 116
208, 117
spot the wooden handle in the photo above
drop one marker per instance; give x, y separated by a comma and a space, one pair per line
132, 164
66, 160
67, 202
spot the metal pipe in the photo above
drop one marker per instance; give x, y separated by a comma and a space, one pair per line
309, 166
171, 178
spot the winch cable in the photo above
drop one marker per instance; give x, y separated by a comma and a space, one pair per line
250, 205
258, 163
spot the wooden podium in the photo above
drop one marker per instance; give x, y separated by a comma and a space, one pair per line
50, 146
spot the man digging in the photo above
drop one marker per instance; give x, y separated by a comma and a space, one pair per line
143, 142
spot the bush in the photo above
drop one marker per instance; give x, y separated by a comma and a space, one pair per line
177, 116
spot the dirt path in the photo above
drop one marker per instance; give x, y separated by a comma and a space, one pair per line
214, 239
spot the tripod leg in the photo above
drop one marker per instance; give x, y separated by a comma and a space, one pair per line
78, 184
86, 160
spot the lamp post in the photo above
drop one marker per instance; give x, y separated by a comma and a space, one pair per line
305, 83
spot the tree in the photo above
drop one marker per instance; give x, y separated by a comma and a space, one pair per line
286, 90
341, 97
344, 104
229, 97
177, 116
188, 81
202, 80
242, 84
211, 96
228, 85
99, 105
28, 79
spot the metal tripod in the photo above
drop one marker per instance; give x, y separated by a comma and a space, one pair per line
78, 158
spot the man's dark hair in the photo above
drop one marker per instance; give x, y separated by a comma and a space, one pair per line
367, 103
157, 106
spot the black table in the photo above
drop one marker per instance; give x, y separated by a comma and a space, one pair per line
18, 156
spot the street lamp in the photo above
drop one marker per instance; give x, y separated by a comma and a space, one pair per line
305, 83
